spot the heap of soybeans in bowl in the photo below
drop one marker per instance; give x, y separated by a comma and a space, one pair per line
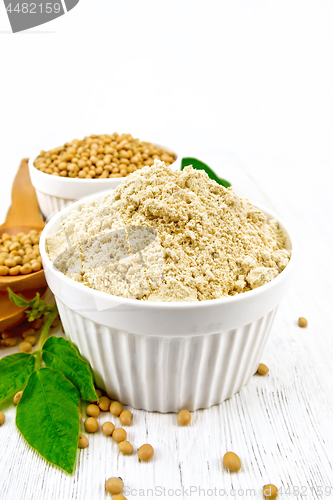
19, 254
101, 156
82, 167
174, 275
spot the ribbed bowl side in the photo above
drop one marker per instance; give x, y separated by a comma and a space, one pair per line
168, 374
49, 204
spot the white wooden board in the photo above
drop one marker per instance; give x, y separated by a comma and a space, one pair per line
280, 425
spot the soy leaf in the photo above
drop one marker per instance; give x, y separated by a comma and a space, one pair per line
48, 417
60, 354
83, 359
18, 300
36, 312
200, 165
14, 372
35, 301
36, 307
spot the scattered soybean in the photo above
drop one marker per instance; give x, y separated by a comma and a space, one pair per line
126, 417
125, 447
184, 417
270, 491
302, 322
116, 408
232, 461
262, 369
119, 435
83, 441
104, 403
108, 428
145, 452
92, 410
25, 346
114, 485
91, 424
17, 397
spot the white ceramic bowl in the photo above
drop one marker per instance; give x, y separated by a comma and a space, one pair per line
54, 193
166, 356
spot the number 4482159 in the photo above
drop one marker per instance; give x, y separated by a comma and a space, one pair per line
34, 8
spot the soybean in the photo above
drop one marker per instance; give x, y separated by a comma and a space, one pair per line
184, 417
83, 441
28, 333
108, 428
92, 411
232, 461
17, 397
91, 424
10, 342
145, 452
262, 369
31, 339
116, 408
2, 418
55, 322
25, 346
36, 324
119, 435
4, 270
302, 322
114, 485
125, 447
104, 403
14, 271
126, 417
270, 491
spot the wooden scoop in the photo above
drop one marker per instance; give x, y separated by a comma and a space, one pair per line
22, 216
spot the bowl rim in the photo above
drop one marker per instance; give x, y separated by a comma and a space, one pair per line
135, 303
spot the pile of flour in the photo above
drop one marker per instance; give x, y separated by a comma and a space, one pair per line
169, 236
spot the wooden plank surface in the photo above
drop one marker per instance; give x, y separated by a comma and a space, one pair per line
280, 425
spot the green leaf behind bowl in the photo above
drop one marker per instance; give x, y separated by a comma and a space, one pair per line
199, 165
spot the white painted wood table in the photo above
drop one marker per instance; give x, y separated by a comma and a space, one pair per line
280, 425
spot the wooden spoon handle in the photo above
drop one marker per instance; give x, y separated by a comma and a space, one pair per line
24, 210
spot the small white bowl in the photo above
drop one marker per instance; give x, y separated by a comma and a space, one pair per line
54, 193
167, 356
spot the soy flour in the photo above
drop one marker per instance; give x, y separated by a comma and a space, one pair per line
205, 242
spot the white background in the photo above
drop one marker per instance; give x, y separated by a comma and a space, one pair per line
248, 87
252, 76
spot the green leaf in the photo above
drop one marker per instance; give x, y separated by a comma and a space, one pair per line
36, 306
48, 417
35, 301
200, 165
18, 300
62, 341
60, 354
83, 359
14, 372
36, 312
